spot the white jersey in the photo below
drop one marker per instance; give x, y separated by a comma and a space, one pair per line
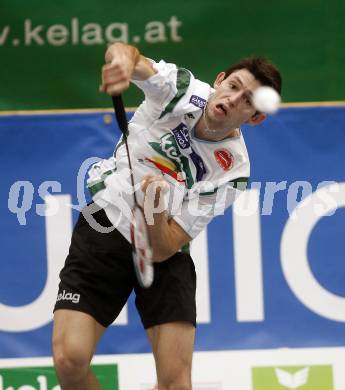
204, 177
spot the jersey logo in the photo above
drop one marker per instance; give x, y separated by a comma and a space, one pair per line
168, 148
197, 101
182, 136
224, 159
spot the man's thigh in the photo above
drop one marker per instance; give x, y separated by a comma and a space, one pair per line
75, 334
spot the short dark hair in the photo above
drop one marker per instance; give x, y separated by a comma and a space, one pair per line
262, 69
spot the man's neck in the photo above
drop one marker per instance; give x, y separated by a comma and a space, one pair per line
204, 132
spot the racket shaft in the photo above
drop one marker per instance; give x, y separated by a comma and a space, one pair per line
120, 114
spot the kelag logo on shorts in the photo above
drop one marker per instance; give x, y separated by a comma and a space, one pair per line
301, 377
44, 378
68, 297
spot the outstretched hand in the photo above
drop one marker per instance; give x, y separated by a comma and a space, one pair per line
117, 72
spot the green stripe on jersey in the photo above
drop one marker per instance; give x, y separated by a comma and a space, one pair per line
119, 144
240, 184
182, 84
99, 185
94, 188
186, 248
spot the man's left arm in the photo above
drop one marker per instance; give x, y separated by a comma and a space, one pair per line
166, 236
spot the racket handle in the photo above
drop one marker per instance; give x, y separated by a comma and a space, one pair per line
120, 114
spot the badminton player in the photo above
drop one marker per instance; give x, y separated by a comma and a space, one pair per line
185, 136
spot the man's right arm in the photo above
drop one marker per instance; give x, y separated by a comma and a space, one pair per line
123, 64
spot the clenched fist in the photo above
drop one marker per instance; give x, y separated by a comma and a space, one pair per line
120, 64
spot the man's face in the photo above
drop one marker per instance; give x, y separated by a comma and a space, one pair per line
230, 106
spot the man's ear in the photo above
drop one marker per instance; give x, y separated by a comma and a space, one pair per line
256, 119
218, 80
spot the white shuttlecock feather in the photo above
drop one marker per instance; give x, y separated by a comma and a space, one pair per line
266, 100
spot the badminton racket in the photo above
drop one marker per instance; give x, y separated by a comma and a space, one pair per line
141, 247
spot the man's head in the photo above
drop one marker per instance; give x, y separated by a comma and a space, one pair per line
262, 69
231, 106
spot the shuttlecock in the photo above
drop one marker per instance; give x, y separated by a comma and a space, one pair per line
266, 100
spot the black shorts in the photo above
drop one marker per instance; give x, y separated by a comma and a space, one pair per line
99, 275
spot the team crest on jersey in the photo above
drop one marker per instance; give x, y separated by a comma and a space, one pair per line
224, 159
197, 101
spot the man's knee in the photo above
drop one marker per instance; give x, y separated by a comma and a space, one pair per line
179, 386
70, 360
175, 385
176, 379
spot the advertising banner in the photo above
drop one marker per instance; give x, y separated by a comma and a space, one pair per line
52, 52
279, 369
270, 270
44, 378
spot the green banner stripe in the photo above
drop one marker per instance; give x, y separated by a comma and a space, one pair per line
182, 84
318, 377
37, 377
